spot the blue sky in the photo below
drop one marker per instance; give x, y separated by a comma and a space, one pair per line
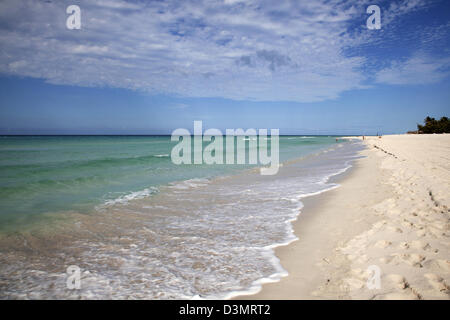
148, 67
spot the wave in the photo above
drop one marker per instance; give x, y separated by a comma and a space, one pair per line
268, 251
222, 231
126, 198
303, 137
190, 183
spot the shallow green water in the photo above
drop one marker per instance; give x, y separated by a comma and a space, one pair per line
47, 174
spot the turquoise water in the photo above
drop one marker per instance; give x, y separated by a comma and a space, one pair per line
140, 227
47, 174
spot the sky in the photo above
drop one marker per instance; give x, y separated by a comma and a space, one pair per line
149, 67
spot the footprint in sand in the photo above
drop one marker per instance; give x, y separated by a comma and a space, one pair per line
437, 283
417, 244
394, 229
400, 289
398, 281
412, 259
379, 224
382, 244
403, 245
407, 224
387, 259
421, 233
407, 295
436, 232
353, 283
439, 265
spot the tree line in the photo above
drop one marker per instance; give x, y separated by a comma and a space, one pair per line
431, 125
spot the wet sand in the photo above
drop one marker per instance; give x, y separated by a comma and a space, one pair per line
390, 212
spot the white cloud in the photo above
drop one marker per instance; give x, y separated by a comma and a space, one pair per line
399, 8
415, 70
252, 49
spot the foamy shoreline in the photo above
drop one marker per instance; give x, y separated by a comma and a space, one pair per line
196, 238
391, 211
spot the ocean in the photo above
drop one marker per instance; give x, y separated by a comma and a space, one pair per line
139, 226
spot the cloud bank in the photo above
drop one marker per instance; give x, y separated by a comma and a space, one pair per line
235, 49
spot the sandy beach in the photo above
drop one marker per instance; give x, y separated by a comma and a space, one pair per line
391, 214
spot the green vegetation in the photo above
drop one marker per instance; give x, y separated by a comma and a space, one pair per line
434, 126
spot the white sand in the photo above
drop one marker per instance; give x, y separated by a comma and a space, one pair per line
391, 212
